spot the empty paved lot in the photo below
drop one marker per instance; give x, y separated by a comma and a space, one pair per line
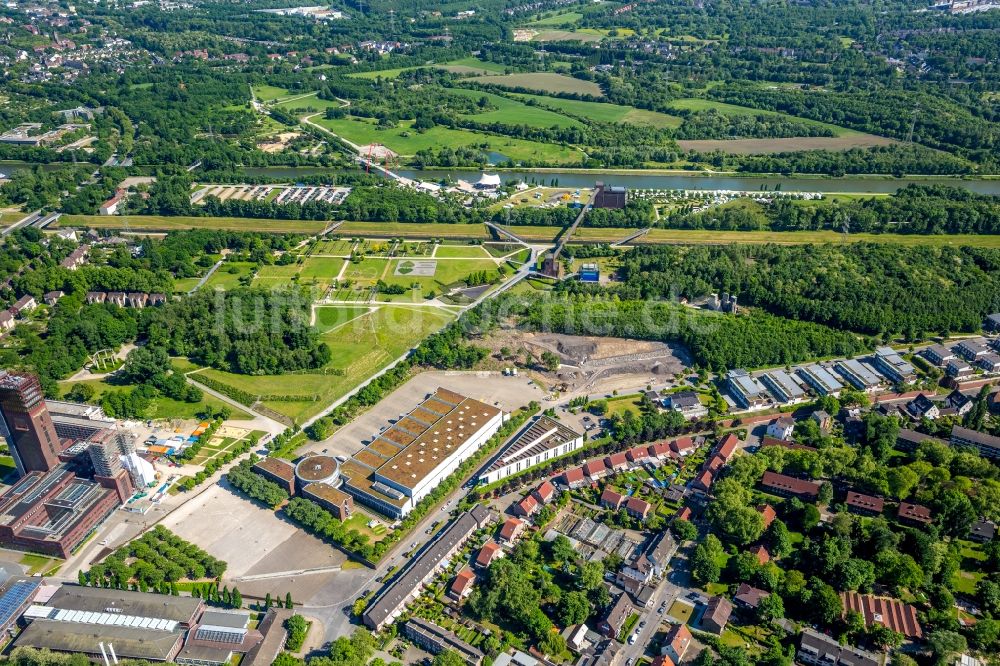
489, 387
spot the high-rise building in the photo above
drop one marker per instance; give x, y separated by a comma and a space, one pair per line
32, 436
105, 449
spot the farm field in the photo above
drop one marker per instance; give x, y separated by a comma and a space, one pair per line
403, 140
360, 349
545, 82
472, 65
605, 112
165, 223
514, 112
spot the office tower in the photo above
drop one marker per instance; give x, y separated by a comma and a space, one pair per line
33, 439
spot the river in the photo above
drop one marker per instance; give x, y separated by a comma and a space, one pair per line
675, 181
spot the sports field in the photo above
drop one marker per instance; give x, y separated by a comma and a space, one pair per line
361, 347
549, 82
164, 223
404, 140
605, 112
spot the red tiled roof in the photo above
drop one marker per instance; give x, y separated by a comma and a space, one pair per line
684, 513
488, 553
616, 460
761, 553
659, 450
866, 502
527, 505
612, 496
728, 446
593, 467
510, 528
679, 638
544, 491
637, 506
769, 514
892, 613
715, 464
704, 480
915, 512
638, 453
462, 581
790, 484
573, 475
662, 660
682, 444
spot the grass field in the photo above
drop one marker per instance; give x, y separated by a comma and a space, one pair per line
605, 112
309, 103
557, 35
514, 112
472, 65
462, 251
266, 93
397, 229
366, 270
163, 223
360, 348
565, 18
330, 317
163, 407
404, 140
544, 81
224, 279
321, 267
446, 272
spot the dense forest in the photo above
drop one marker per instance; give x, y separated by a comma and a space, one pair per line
876, 289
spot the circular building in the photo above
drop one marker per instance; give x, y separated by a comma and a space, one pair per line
318, 469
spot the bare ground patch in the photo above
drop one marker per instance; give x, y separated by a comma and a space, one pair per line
790, 145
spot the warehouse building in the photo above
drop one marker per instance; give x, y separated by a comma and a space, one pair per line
542, 439
409, 458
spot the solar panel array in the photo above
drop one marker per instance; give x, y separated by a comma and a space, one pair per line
217, 635
114, 619
14, 598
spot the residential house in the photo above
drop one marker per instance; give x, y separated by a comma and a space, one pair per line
820, 379
989, 363
490, 552
683, 446
526, 507
982, 531
116, 298
573, 478
684, 513
762, 554
914, 514
462, 585
865, 505
716, 615
727, 447
616, 461
595, 469
676, 642
860, 375
891, 613
893, 366
511, 530
614, 619
637, 508
25, 304
987, 445
923, 407
136, 299
6, 320
611, 499
938, 355
769, 514
96, 297
659, 451
958, 370
52, 297
817, 649
908, 440
971, 350
788, 486
110, 207
784, 387
749, 597
781, 428
992, 323
704, 481
957, 404
687, 403
822, 419
637, 455
544, 493
76, 258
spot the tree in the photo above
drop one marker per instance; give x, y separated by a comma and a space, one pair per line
704, 561
810, 517
884, 637
550, 361
574, 608
447, 658
81, 577
770, 608
684, 530
945, 645
778, 539
562, 550
236, 599
288, 600
267, 601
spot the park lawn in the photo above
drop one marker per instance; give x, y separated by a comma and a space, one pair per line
514, 112
38, 564
7, 468
461, 251
223, 279
360, 348
605, 111
170, 223
164, 407
266, 93
404, 140
340, 246
10, 217
330, 317
322, 267
565, 18
310, 103
181, 364
410, 230
184, 285
367, 269
278, 272
446, 272
966, 581
549, 82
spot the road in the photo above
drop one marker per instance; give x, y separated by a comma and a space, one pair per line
205, 277
23, 222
